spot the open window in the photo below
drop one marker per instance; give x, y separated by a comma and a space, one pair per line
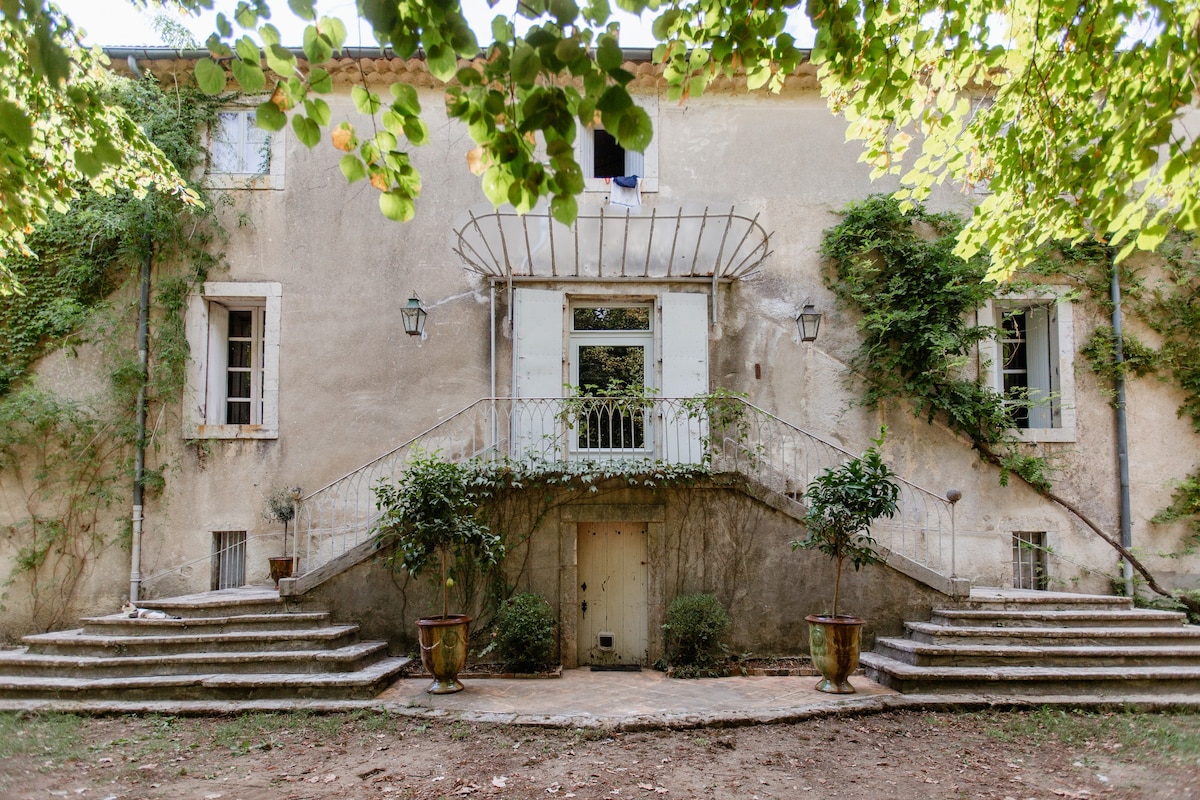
242, 155
232, 388
1032, 364
602, 159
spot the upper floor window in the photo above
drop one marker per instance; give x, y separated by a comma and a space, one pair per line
602, 159
232, 388
1032, 365
242, 155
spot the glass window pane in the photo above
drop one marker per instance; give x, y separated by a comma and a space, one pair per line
609, 367
611, 318
239, 354
241, 324
238, 385
237, 413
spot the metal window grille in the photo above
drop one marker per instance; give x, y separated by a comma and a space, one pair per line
1029, 560
228, 559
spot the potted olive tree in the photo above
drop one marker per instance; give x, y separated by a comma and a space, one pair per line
843, 502
430, 524
281, 507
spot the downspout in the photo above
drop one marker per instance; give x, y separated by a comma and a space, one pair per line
1122, 428
139, 457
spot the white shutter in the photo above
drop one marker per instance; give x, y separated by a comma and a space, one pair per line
1037, 353
537, 372
684, 372
218, 361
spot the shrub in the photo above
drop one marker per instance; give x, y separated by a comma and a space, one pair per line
693, 633
523, 635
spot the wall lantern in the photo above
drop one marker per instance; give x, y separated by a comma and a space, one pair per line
413, 316
808, 322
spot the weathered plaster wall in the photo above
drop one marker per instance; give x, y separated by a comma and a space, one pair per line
353, 385
705, 539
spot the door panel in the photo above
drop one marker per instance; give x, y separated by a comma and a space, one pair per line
613, 600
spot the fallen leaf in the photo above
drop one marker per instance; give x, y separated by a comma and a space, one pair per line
499, 781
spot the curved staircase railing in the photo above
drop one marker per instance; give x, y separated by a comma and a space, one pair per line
718, 433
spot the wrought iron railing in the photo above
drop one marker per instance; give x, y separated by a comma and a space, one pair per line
717, 433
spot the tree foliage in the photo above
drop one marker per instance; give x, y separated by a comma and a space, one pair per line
1071, 114
61, 130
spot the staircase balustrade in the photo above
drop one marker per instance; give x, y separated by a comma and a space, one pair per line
715, 433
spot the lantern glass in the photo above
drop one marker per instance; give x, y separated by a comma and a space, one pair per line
413, 316
808, 323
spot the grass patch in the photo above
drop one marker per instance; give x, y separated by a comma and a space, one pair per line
51, 737
1164, 736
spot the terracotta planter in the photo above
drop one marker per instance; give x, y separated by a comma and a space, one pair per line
444, 650
834, 644
281, 567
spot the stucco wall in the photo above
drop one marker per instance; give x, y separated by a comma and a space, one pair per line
353, 385
707, 538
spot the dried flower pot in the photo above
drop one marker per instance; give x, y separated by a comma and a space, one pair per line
444, 650
834, 643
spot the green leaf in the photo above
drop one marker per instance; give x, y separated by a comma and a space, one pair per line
366, 102
564, 209
281, 60
318, 111
353, 168
416, 131
525, 65
397, 206
249, 76
608, 54
320, 81
247, 50
223, 26
15, 125
316, 49
303, 9
269, 117
210, 77
307, 131
406, 102
634, 130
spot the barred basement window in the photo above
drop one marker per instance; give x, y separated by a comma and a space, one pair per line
1029, 560
228, 559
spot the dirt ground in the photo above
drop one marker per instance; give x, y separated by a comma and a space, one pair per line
992, 755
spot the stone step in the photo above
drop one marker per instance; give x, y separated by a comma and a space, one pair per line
360, 684
224, 602
1045, 617
174, 642
1032, 681
1021, 600
931, 633
348, 658
122, 625
966, 655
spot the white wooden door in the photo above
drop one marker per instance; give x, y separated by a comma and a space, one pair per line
613, 604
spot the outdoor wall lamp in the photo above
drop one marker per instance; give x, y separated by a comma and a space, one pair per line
808, 323
413, 315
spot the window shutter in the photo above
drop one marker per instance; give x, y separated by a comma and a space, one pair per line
218, 360
1037, 336
684, 371
537, 371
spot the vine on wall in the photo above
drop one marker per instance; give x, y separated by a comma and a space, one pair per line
65, 463
916, 300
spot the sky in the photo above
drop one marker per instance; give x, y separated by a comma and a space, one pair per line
119, 23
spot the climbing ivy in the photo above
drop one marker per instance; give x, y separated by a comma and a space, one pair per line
916, 300
68, 461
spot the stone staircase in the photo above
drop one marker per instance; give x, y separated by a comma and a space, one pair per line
234, 644
1011, 642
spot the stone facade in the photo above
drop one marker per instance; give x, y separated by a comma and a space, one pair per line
351, 384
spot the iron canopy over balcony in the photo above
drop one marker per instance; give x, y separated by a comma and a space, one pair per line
670, 244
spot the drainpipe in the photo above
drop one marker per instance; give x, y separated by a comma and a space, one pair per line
139, 457
1122, 429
